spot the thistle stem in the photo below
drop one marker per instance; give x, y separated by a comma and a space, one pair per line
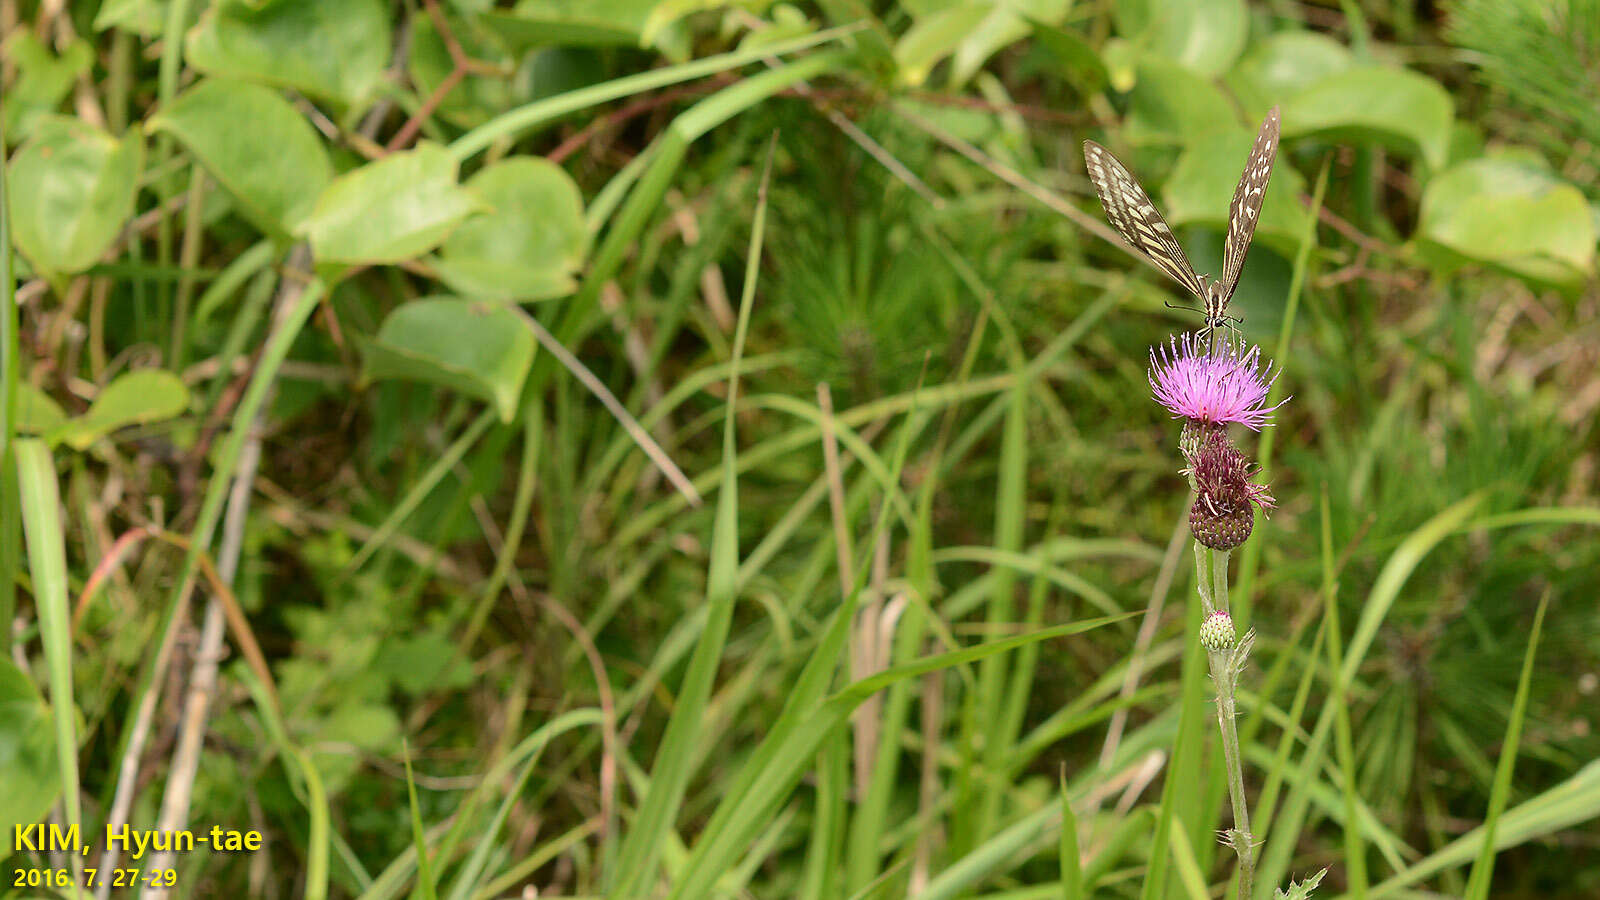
1211, 577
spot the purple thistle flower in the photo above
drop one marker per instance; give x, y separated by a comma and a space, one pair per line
1213, 385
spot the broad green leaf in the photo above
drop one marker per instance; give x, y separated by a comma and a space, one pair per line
1201, 188
1081, 65
552, 71
529, 245
1285, 64
29, 785
389, 210
336, 51
479, 348
1511, 214
932, 38
71, 188
420, 663
147, 18
36, 411
1172, 104
43, 80
920, 8
1395, 107
597, 23
136, 398
1006, 23
786, 23
256, 145
1203, 35
369, 727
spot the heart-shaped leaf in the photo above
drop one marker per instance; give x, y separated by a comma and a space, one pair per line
28, 781
1080, 63
1006, 23
37, 413
256, 145
934, 37
146, 18
393, 209
1201, 187
1203, 35
1283, 65
1395, 107
529, 245
968, 32
479, 348
1509, 213
1172, 104
333, 50
136, 398
43, 79
71, 188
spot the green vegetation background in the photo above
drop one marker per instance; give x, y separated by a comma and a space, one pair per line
674, 447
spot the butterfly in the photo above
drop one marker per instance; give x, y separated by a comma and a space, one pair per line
1129, 210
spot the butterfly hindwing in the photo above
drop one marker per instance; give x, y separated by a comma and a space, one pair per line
1129, 210
1245, 209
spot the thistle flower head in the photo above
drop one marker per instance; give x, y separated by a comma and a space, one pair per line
1214, 385
1223, 513
1222, 474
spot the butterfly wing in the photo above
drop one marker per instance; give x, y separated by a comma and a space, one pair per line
1129, 210
1246, 207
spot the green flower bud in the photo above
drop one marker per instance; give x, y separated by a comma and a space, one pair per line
1216, 632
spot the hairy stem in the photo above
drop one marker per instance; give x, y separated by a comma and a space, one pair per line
1211, 577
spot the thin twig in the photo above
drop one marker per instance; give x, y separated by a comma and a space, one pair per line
628, 422
203, 679
461, 65
1017, 180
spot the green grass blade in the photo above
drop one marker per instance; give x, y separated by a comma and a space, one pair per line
778, 762
1570, 803
317, 841
419, 492
827, 823
523, 118
47, 564
1181, 792
1189, 875
1355, 854
668, 154
670, 776
1483, 869
1010, 500
1072, 887
419, 835
1284, 835
230, 279
10, 377
990, 855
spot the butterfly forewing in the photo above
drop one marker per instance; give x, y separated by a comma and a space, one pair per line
1246, 207
1129, 210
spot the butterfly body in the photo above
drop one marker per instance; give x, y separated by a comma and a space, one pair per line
1131, 212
